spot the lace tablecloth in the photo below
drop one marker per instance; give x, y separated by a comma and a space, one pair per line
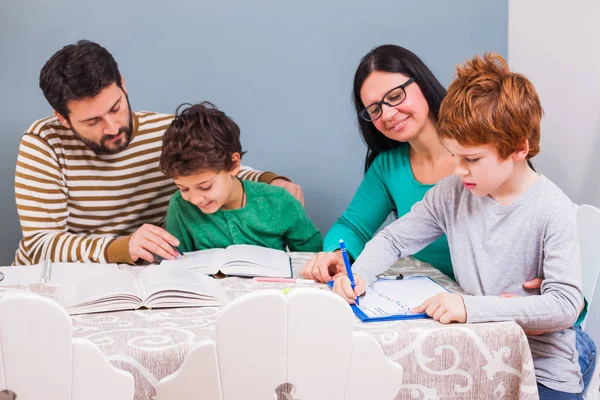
474, 361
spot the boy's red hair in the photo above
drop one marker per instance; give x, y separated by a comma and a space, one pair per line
488, 104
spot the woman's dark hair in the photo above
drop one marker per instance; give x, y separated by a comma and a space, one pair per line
392, 58
200, 138
77, 71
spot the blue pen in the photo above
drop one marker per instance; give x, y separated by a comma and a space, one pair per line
348, 266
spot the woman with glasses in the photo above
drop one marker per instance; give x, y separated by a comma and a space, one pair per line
397, 99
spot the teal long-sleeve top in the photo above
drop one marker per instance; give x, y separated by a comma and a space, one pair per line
388, 185
272, 218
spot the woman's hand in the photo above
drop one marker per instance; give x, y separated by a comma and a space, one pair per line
324, 266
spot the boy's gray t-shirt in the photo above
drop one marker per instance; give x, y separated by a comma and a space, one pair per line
495, 249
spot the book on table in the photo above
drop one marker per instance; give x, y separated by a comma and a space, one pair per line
154, 287
237, 260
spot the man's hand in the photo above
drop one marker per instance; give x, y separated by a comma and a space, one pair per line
324, 266
291, 187
444, 307
149, 240
343, 287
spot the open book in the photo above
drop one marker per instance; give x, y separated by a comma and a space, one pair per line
155, 287
238, 260
391, 299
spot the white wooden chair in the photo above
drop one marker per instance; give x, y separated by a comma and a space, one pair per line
588, 227
265, 339
39, 359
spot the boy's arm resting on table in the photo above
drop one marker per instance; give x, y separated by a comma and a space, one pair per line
559, 304
41, 197
301, 234
370, 206
402, 238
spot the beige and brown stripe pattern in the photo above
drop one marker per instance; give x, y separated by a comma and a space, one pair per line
73, 202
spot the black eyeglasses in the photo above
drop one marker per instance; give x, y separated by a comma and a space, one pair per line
392, 98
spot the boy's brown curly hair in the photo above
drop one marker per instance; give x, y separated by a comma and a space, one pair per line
200, 138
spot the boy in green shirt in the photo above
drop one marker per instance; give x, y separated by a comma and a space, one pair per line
214, 209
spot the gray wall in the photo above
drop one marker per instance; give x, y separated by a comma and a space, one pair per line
568, 84
283, 70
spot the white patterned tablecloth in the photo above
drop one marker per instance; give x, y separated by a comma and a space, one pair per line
460, 361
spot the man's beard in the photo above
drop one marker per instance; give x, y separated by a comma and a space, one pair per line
102, 148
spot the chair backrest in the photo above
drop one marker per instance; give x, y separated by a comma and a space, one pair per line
39, 359
588, 227
266, 339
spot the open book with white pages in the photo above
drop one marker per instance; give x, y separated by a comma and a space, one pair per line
90, 288
154, 287
237, 260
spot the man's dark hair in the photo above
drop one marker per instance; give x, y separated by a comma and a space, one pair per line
201, 138
77, 71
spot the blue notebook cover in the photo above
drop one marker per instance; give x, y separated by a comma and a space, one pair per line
392, 299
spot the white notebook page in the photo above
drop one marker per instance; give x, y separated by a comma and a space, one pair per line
393, 297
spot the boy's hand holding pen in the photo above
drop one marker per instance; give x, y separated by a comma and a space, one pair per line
343, 287
348, 286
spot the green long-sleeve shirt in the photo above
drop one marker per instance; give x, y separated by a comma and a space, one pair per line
388, 185
271, 218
